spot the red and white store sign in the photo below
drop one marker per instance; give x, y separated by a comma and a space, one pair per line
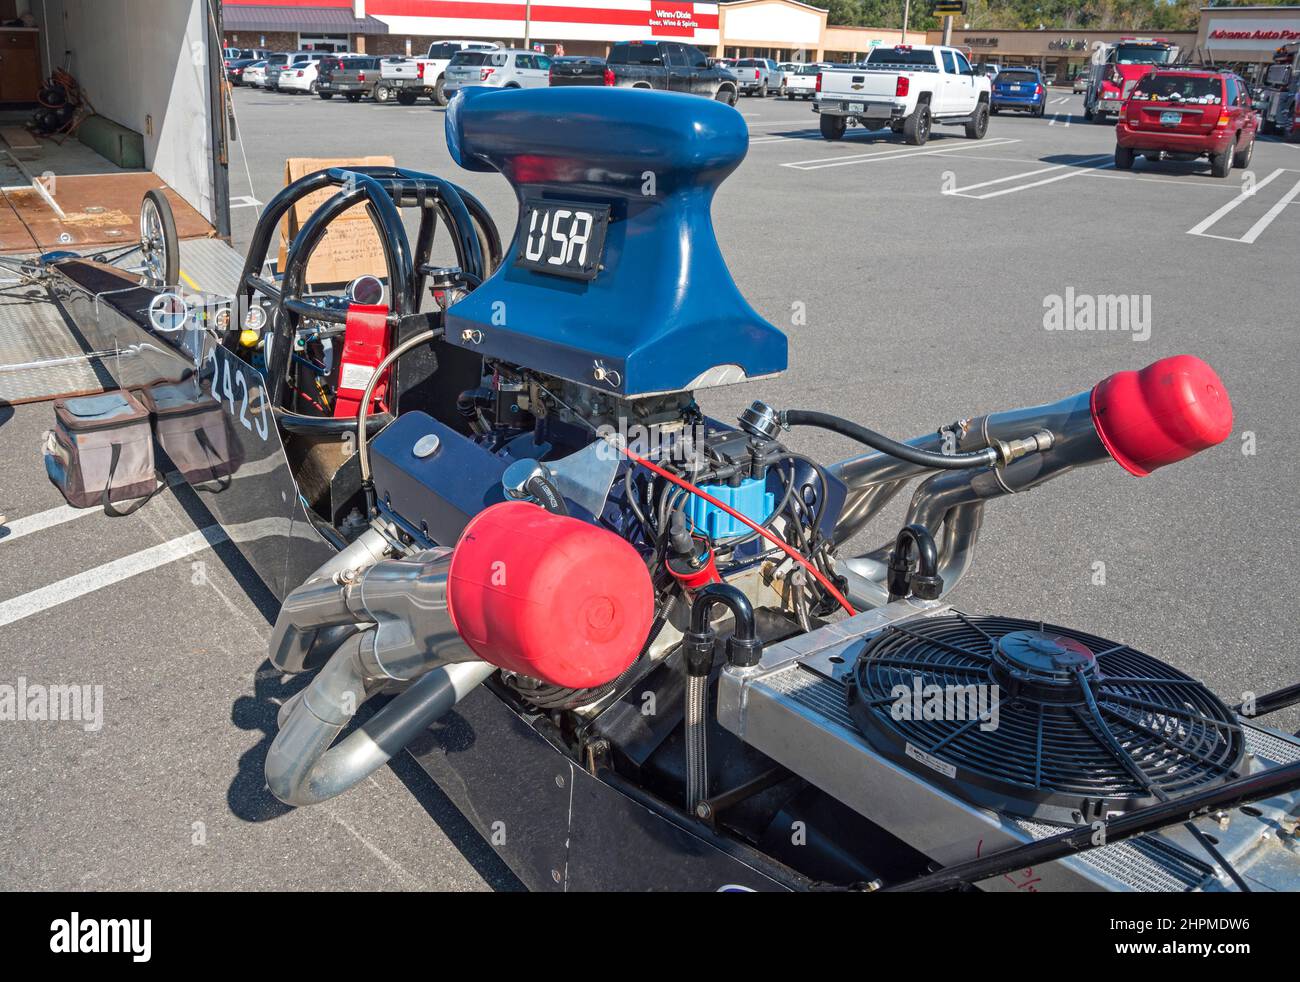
576, 20
1252, 35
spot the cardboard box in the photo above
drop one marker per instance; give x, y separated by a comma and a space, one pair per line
350, 246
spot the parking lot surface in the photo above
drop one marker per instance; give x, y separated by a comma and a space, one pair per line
913, 283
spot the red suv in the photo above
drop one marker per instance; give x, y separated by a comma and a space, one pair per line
1184, 114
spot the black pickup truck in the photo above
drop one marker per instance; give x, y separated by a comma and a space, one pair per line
667, 65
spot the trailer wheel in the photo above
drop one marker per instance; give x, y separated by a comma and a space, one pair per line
383, 93
353, 96
833, 127
978, 124
916, 128
440, 93
406, 98
326, 95
159, 245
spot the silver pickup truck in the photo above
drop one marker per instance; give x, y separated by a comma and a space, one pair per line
907, 89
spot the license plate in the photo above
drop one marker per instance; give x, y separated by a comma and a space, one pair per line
1017, 88
1170, 119
855, 107
563, 238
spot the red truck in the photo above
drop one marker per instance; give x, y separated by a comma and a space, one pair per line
1116, 68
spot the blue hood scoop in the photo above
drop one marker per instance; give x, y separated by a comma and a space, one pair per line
613, 278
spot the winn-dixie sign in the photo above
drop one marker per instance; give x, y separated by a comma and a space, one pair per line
673, 19
1256, 35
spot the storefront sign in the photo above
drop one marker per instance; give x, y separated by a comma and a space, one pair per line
1251, 35
981, 42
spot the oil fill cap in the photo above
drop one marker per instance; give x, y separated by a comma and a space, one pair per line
427, 445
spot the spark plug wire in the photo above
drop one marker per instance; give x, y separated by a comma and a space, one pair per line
793, 553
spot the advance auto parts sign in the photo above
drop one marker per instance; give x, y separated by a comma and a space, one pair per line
1251, 35
673, 19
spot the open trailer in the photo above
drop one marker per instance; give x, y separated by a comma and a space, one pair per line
132, 102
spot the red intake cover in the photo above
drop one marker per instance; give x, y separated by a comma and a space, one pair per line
1171, 409
550, 597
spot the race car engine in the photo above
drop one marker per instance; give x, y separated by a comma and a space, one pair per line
539, 508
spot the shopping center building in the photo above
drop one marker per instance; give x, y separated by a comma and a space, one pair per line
780, 29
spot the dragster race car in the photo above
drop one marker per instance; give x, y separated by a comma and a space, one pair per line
491, 507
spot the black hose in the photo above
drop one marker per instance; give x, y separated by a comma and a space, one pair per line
925, 582
882, 443
744, 648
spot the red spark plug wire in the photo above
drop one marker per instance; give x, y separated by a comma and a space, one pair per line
784, 547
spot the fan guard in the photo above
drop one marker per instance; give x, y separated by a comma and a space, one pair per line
1084, 727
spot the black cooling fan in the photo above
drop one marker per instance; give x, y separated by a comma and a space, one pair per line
1083, 727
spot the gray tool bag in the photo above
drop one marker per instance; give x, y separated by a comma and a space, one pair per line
100, 452
194, 431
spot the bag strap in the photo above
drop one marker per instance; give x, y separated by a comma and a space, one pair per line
109, 508
209, 451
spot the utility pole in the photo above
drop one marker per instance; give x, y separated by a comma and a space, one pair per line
947, 30
907, 10
528, 24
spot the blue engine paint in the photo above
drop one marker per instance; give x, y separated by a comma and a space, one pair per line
434, 496
664, 309
751, 498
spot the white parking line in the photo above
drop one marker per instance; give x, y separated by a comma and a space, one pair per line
1257, 229
1075, 169
895, 153
1053, 121
109, 573
787, 122
42, 520
1200, 227
1057, 102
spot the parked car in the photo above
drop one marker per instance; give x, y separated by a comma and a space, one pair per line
292, 60
352, 76
1184, 115
990, 69
504, 68
578, 70
1081, 83
300, 76
408, 79
274, 62
756, 76
670, 65
908, 89
235, 68
802, 83
786, 72
1020, 89
255, 74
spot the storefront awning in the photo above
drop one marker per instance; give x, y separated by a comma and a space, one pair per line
308, 20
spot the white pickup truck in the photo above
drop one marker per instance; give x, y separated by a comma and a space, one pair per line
908, 89
407, 79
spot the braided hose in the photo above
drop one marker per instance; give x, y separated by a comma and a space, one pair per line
697, 741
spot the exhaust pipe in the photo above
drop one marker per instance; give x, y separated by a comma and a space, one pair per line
1143, 420
542, 595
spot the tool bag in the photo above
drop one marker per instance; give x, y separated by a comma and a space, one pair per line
194, 431
100, 452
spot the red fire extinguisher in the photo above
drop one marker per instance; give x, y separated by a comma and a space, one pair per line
365, 345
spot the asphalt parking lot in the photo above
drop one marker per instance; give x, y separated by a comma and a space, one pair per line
913, 284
